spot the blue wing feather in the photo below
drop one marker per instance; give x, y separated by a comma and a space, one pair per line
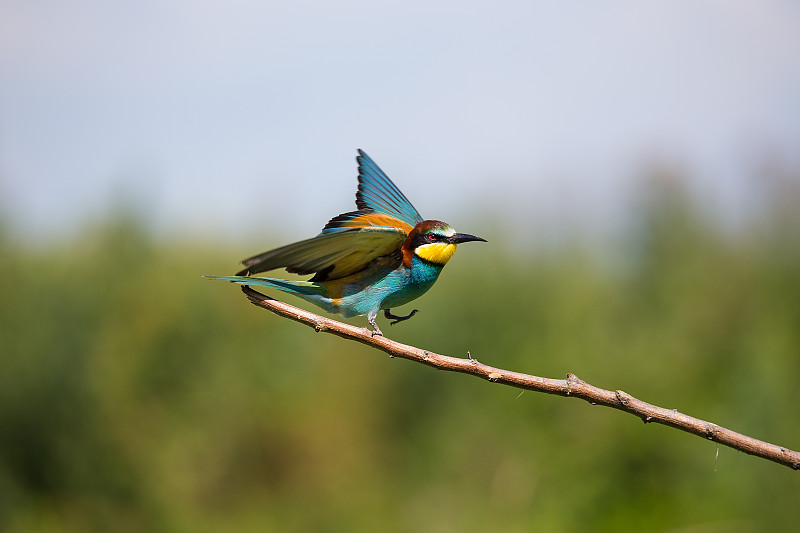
350, 241
376, 192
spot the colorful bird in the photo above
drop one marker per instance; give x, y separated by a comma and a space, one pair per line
380, 256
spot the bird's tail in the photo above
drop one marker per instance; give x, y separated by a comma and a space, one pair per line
307, 289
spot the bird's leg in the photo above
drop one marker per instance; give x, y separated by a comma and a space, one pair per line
371, 320
388, 314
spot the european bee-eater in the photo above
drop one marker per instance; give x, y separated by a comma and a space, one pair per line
380, 256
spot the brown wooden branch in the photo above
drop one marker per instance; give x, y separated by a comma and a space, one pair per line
572, 386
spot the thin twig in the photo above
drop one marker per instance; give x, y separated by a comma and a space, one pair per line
572, 386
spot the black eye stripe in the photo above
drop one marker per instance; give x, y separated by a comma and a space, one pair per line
429, 238
426, 238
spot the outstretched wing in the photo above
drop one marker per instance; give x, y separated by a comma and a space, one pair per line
350, 241
333, 254
376, 192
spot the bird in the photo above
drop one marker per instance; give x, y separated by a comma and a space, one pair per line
378, 257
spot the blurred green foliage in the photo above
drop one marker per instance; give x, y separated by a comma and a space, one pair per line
137, 396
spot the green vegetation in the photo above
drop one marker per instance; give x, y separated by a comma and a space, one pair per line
137, 396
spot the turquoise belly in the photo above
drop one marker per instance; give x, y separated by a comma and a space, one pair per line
388, 289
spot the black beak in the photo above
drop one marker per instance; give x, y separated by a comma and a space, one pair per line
463, 237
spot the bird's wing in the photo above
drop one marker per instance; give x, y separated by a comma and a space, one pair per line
349, 242
333, 254
376, 192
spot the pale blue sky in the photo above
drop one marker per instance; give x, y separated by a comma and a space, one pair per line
242, 117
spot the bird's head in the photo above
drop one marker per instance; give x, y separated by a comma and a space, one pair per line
435, 241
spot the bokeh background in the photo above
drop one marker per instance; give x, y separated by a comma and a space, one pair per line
635, 167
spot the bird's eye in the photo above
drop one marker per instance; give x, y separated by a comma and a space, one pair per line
431, 237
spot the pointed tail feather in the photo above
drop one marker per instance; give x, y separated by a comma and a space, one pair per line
301, 288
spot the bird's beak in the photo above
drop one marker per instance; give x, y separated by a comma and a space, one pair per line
464, 237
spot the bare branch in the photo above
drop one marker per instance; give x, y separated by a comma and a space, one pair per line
572, 386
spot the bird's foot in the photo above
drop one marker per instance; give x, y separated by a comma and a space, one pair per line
395, 319
377, 330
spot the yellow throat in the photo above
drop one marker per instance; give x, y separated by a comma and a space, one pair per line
436, 252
